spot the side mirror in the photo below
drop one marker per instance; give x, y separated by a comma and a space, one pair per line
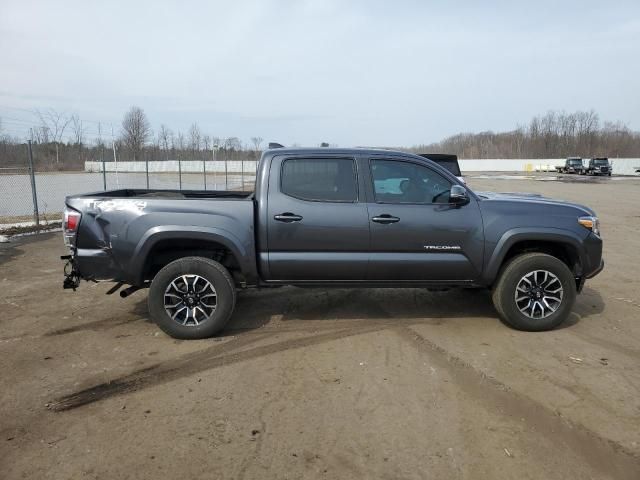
458, 195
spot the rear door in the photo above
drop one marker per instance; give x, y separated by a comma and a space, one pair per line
317, 225
416, 234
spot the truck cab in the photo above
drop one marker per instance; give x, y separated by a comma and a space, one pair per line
571, 165
599, 166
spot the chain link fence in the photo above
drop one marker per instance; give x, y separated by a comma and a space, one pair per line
32, 199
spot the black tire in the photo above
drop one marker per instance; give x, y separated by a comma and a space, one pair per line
505, 289
207, 269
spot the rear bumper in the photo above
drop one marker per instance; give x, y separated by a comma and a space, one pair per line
95, 264
88, 264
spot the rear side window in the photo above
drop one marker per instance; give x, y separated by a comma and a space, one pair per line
320, 179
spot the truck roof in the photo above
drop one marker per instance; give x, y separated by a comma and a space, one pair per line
335, 150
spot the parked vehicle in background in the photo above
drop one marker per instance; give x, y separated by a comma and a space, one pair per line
571, 165
333, 217
450, 162
598, 166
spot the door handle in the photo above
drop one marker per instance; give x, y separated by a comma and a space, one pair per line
385, 218
287, 217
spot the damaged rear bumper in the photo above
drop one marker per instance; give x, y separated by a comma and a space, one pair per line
88, 264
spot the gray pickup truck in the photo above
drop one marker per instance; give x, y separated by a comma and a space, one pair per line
332, 217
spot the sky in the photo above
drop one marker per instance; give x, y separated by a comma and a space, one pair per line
378, 73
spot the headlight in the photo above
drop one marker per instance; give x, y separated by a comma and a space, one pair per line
592, 223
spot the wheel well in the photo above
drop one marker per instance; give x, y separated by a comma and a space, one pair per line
562, 251
166, 251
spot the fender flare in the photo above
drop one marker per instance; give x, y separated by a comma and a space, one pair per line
182, 232
519, 234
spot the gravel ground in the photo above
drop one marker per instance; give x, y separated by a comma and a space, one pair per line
310, 383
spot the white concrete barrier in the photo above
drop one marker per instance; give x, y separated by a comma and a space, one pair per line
621, 166
171, 166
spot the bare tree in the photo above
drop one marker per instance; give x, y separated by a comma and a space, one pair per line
233, 143
78, 134
195, 138
78, 130
3, 138
136, 130
256, 141
40, 134
179, 141
165, 138
206, 143
52, 127
55, 122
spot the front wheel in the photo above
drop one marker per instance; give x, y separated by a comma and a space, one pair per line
192, 297
535, 292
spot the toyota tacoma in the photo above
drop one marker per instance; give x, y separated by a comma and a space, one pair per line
327, 217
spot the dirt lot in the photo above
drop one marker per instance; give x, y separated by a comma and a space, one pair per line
391, 384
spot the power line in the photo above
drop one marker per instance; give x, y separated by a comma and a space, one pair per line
37, 111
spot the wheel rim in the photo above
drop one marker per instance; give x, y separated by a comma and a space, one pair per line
190, 300
538, 294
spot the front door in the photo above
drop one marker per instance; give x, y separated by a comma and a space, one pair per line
416, 234
318, 228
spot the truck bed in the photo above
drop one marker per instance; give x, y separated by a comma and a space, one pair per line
174, 194
122, 231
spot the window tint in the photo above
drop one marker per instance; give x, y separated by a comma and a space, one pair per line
324, 179
403, 182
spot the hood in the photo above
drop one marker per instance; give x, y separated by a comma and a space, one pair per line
533, 198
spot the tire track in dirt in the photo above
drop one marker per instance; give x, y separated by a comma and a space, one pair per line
602, 454
206, 360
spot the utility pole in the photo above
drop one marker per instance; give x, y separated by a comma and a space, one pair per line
32, 174
115, 159
204, 171
226, 172
213, 151
104, 170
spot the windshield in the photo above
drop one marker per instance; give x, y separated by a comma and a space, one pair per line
575, 161
601, 161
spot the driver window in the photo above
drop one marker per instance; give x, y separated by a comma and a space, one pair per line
403, 182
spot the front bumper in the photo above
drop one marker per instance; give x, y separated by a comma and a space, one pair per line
592, 262
597, 270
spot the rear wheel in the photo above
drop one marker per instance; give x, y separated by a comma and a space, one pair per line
192, 297
535, 292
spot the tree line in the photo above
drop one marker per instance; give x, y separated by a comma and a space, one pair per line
552, 135
65, 142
